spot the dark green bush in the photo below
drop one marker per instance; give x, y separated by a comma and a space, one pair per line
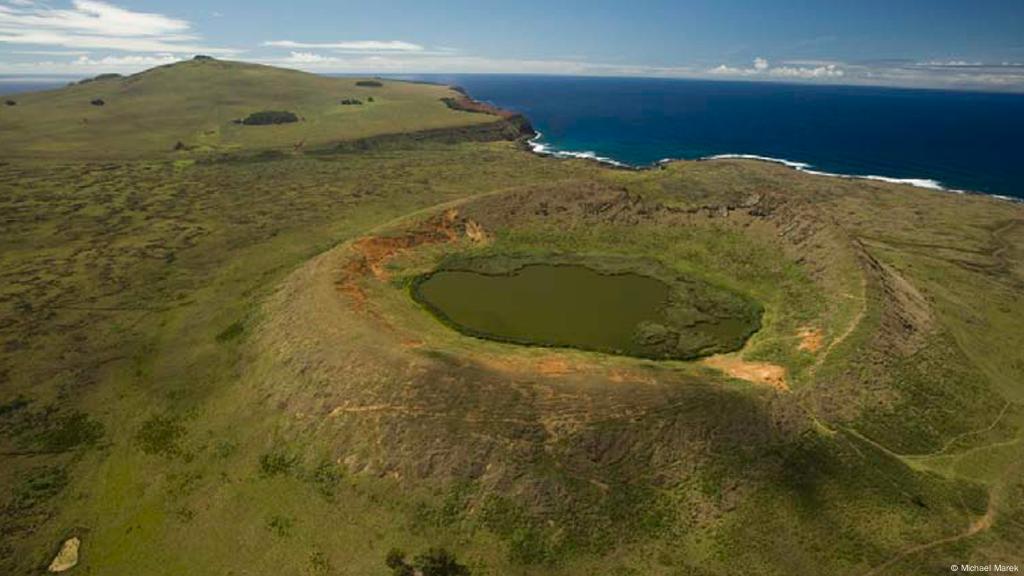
72, 431
268, 117
369, 84
433, 562
439, 562
274, 463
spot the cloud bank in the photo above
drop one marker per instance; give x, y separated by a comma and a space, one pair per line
357, 46
86, 37
762, 67
96, 25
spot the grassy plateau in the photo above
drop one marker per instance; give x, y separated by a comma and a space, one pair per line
211, 360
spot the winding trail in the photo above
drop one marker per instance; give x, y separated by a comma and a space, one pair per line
980, 524
975, 526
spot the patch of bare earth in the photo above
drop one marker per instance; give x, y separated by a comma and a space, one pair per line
763, 373
811, 339
372, 253
558, 365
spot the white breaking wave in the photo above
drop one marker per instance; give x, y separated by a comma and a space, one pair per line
544, 149
806, 168
803, 166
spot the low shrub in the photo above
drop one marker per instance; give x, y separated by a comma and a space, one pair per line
269, 117
276, 463
433, 562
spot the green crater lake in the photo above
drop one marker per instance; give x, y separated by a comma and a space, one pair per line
550, 305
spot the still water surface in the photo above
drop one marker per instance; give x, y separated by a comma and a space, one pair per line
550, 305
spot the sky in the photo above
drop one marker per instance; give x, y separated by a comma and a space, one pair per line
973, 44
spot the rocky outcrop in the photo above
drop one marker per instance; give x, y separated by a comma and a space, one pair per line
67, 558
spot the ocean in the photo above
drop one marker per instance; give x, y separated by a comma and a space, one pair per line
972, 141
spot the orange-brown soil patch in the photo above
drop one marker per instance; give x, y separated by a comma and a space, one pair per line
554, 367
372, 253
811, 339
758, 372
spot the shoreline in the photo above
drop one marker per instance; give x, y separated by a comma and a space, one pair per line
547, 150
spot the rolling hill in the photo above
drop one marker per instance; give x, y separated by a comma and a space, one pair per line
196, 103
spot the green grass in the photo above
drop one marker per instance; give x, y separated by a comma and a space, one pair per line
197, 102
188, 383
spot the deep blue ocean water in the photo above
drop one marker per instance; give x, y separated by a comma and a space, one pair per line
960, 140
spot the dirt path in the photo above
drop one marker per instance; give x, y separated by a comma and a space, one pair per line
951, 441
854, 323
771, 375
979, 524
946, 445
975, 526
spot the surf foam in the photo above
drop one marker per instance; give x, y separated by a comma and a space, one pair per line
543, 149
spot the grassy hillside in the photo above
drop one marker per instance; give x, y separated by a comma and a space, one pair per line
211, 364
196, 102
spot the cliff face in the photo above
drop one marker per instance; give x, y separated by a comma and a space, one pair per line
465, 103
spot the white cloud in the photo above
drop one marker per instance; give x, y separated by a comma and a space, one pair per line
162, 45
829, 71
306, 58
446, 62
51, 52
84, 65
762, 67
388, 46
92, 24
723, 70
133, 61
949, 63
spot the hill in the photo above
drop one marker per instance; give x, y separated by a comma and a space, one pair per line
211, 360
197, 103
